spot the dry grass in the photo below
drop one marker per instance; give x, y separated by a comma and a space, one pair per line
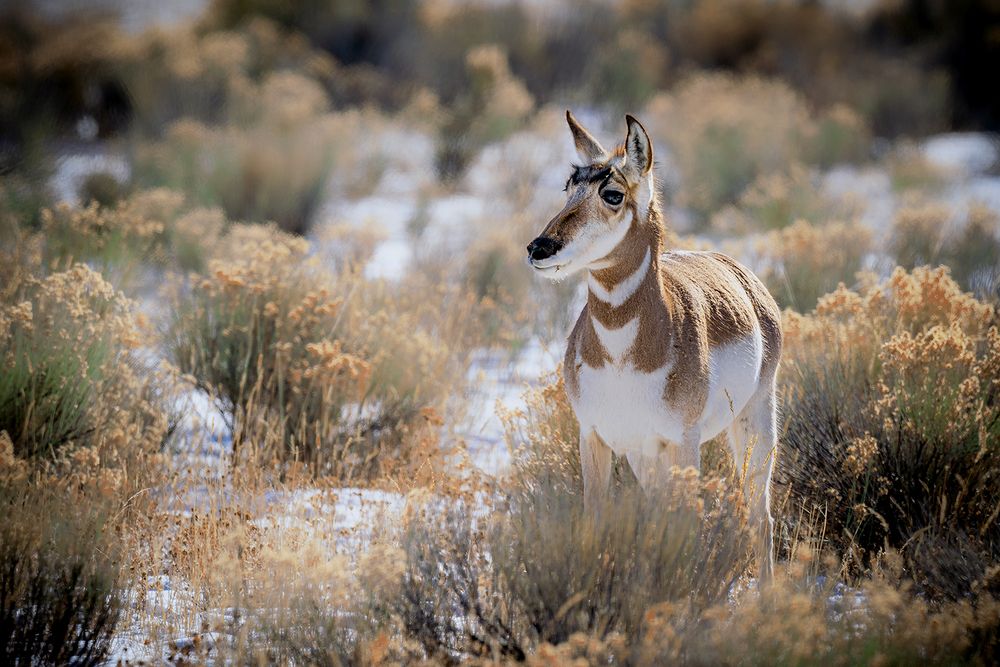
542, 571
544, 439
799, 620
649, 581
803, 261
61, 591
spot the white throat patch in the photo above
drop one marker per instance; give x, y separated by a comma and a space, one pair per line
617, 295
617, 342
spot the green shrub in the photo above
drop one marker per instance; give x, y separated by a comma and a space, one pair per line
61, 592
312, 365
892, 431
70, 383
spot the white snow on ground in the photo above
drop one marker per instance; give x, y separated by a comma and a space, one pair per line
501, 381
344, 519
867, 188
71, 169
966, 153
983, 190
390, 260
965, 160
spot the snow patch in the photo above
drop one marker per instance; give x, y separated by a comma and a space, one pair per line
967, 153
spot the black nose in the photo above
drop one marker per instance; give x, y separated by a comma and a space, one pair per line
543, 247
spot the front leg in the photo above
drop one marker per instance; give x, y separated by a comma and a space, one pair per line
595, 461
654, 471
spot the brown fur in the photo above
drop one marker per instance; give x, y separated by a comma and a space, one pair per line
688, 304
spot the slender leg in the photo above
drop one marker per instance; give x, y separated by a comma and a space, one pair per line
652, 471
689, 455
647, 469
753, 439
595, 461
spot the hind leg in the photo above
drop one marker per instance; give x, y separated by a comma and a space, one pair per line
753, 438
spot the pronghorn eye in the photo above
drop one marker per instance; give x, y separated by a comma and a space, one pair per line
613, 197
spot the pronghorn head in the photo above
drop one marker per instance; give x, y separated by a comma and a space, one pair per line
606, 197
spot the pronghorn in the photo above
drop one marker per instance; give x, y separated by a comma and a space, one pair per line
671, 348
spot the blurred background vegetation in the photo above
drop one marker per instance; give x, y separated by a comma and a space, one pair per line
907, 68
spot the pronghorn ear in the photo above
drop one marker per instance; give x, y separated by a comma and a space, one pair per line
588, 148
638, 149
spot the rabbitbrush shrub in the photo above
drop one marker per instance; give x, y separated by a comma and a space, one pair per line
804, 261
70, 382
312, 365
892, 428
725, 131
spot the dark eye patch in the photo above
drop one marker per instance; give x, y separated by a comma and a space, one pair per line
589, 174
613, 197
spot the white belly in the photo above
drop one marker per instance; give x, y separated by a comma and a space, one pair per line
627, 409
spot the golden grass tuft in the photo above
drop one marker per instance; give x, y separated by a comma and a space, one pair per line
62, 593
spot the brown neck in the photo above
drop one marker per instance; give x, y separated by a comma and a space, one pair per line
636, 293
620, 266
